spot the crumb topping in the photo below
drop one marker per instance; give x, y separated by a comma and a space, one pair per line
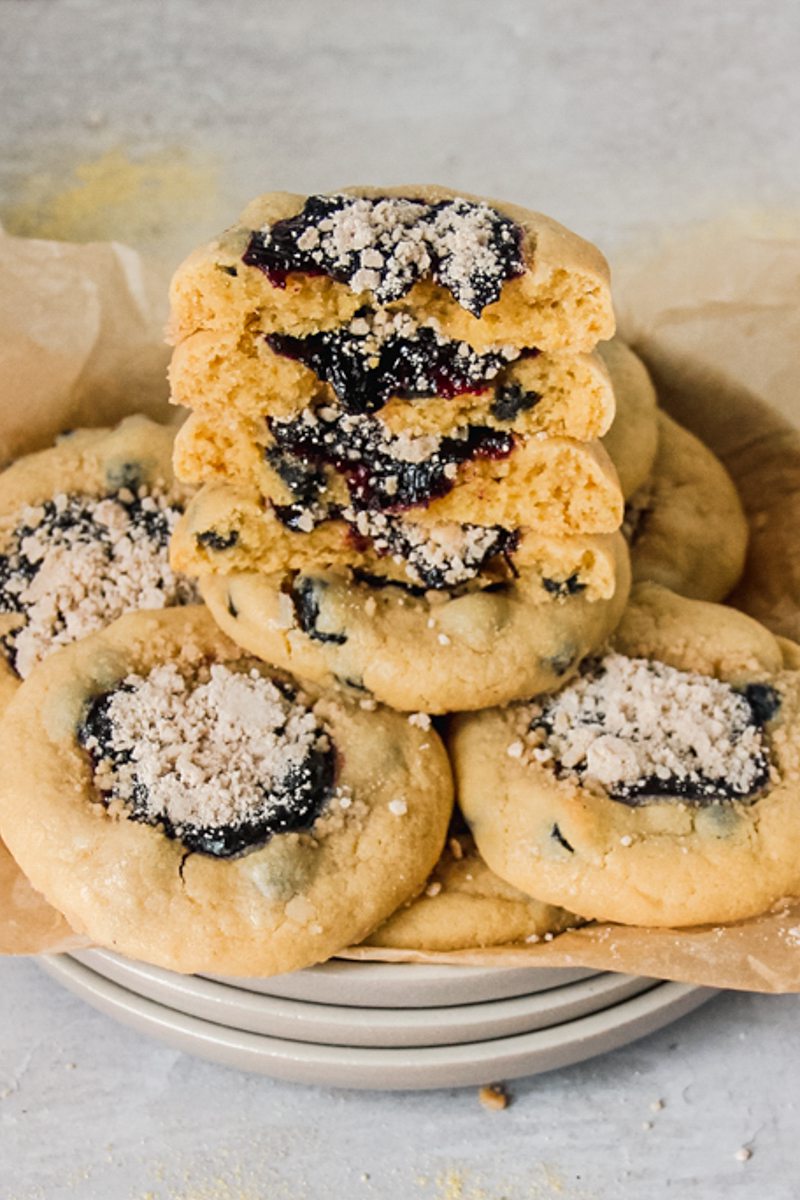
385, 245
380, 354
222, 762
639, 730
443, 555
75, 563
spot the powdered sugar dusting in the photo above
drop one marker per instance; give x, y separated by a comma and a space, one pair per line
202, 756
640, 729
76, 563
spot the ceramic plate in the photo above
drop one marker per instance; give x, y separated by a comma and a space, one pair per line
408, 985
360, 1067
338, 1025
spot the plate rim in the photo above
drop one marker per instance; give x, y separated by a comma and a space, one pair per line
392, 1068
300, 1020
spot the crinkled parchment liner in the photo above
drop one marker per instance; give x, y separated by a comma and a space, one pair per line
716, 315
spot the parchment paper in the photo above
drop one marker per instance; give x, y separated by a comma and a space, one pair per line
715, 312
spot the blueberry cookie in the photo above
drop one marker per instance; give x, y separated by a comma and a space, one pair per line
632, 440
183, 804
553, 488
419, 383
228, 530
465, 906
323, 464
488, 273
686, 525
660, 786
410, 648
84, 533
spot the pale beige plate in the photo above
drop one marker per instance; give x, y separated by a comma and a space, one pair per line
413, 985
464, 1065
339, 1025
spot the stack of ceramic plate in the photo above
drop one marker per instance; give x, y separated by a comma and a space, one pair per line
382, 1025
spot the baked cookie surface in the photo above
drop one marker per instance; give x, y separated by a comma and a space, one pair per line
686, 525
465, 906
434, 651
84, 533
487, 272
183, 804
658, 789
632, 440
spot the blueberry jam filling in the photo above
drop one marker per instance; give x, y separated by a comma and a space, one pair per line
221, 763
383, 471
386, 245
380, 355
75, 563
643, 731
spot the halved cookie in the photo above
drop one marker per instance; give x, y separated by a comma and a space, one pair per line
218, 373
487, 272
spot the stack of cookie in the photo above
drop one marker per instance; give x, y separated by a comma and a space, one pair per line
396, 422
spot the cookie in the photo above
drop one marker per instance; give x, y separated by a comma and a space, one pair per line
486, 272
183, 804
228, 530
632, 440
84, 531
553, 487
412, 649
323, 461
660, 787
686, 526
220, 373
465, 906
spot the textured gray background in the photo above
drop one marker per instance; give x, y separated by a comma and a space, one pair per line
153, 121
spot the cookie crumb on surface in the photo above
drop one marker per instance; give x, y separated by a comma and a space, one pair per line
494, 1096
743, 1154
